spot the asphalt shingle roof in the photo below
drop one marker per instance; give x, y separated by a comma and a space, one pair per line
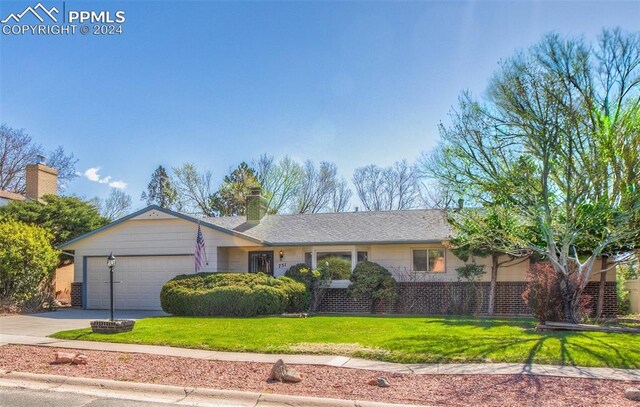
409, 226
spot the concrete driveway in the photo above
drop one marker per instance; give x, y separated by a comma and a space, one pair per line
47, 323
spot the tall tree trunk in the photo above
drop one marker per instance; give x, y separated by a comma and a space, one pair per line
374, 306
568, 300
494, 278
603, 283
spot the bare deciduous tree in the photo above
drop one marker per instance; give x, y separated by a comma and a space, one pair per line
116, 205
316, 190
341, 197
542, 145
194, 189
384, 189
280, 181
17, 150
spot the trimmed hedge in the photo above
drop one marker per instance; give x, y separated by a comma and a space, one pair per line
232, 294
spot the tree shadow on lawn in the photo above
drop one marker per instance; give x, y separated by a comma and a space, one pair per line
525, 350
619, 361
422, 349
486, 323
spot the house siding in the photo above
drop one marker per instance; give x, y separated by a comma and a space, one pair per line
159, 236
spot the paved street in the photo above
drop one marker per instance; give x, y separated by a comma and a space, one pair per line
42, 398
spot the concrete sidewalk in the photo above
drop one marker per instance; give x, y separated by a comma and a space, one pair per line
339, 361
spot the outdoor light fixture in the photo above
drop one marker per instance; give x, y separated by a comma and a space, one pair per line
281, 255
111, 260
111, 263
112, 326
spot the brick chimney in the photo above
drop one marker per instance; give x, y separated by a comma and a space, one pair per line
256, 206
41, 180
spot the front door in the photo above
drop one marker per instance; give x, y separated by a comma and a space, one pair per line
261, 262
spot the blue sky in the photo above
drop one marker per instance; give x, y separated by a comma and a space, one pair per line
216, 83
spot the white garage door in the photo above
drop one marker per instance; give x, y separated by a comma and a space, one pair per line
139, 280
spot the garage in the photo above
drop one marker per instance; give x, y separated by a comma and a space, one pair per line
138, 280
152, 246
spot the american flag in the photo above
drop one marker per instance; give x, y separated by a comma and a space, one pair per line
201, 254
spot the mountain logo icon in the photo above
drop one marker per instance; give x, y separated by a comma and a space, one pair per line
35, 12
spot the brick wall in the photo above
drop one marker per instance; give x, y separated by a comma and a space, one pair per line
40, 180
610, 309
76, 294
439, 298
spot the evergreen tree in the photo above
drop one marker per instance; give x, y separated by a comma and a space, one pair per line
160, 191
231, 198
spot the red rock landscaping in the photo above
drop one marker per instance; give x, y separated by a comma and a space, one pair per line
324, 381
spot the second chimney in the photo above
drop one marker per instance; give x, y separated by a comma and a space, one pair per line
41, 180
256, 206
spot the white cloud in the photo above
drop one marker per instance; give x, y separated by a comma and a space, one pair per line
118, 184
92, 175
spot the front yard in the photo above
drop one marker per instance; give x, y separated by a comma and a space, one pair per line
395, 339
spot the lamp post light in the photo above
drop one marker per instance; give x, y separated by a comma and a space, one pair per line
112, 326
111, 263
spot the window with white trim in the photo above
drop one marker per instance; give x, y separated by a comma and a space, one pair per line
431, 260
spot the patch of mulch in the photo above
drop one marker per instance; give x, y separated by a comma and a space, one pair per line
325, 381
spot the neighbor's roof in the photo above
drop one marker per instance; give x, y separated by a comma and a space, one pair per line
408, 226
12, 196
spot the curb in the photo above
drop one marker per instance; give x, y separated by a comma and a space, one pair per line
188, 396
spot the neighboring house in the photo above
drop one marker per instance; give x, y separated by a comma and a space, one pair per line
154, 245
6, 197
42, 180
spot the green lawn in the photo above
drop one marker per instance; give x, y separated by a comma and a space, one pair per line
396, 339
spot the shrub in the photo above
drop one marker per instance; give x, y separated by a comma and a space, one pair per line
373, 282
27, 265
470, 272
302, 273
232, 294
470, 299
544, 296
315, 281
337, 267
623, 274
543, 293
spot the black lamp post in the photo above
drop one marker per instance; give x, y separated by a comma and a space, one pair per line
112, 326
111, 263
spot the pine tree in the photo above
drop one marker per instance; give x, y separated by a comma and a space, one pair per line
160, 191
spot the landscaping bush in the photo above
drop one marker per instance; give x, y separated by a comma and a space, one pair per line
373, 282
544, 296
232, 294
470, 298
27, 265
302, 273
337, 267
543, 293
315, 281
624, 273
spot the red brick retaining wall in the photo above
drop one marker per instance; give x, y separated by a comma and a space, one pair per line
439, 298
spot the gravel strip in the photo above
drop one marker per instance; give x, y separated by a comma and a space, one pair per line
325, 381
